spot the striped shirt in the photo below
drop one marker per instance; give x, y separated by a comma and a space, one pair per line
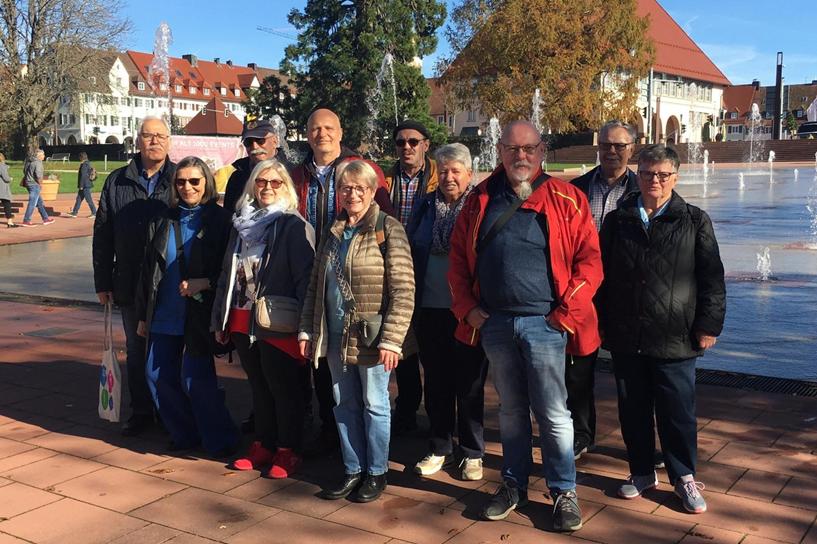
603, 197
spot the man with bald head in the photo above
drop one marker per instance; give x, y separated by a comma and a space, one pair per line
538, 251
314, 182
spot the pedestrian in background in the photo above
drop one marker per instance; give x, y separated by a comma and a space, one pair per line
5, 191
85, 182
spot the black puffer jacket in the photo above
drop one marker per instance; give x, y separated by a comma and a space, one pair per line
660, 285
120, 228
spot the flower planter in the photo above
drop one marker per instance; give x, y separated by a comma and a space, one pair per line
49, 188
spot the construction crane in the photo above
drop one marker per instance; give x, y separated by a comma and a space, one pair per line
274, 32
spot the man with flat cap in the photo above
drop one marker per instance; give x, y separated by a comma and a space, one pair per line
413, 175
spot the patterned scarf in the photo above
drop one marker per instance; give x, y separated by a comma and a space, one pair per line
251, 222
444, 219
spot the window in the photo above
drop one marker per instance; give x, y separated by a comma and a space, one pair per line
149, 103
441, 119
206, 92
137, 102
236, 92
88, 98
114, 121
128, 101
92, 79
162, 86
733, 115
72, 119
140, 85
119, 82
178, 88
104, 120
129, 122
88, 119
799, 113
224, 91
192, 90
162, 104
472, 116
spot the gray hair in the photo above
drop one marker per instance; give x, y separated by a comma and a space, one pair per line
455, 152
658, 153
152, 118
615, 123
357, 169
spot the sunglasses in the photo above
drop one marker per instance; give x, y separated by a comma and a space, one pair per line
607, 146
260, 141
274, 183
412, 142
194, 182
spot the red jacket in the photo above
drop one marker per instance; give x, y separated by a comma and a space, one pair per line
575, 259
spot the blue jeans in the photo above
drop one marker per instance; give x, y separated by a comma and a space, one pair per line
84, 194
186, 392
362, 414
528, 362
34, 201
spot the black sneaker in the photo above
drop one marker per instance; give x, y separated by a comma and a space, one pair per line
567, 516
505, 500
579, 447
658, 460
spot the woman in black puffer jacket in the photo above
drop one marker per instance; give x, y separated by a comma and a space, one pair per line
661, 305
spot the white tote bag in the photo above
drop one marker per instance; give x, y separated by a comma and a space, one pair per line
110, 376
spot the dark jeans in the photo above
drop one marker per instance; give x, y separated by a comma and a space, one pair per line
187, 395
454, 384
580, 380
668, 387
7, 207
141, 402
84, 194
409, 390
277, 399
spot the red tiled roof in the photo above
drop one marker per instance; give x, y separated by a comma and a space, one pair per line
739, 98
675, 52
213, 121
436, 100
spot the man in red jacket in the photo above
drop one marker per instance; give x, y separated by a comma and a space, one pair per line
539, 252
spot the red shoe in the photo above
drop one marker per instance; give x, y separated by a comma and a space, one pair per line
257, 456
49, 221
286, 462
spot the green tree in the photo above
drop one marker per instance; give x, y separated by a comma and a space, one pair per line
273, 97
341, 44
585, 56
790, 124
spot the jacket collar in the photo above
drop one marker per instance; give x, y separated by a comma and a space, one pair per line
366, 223
345, 153
676, 207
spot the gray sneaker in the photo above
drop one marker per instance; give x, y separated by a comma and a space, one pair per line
567, 516
636, 485
689, 491
506, 499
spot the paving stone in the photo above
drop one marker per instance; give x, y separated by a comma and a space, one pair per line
811, 536
738, 514
741, 432
149, 534
78, 440
768, 459
70, 522
18, 498
703, 534
441, 489
25, 458
503, 532
22, 430
53, 470
758, 485
288, 527
403, 518
620, 526
203, 473
718, 477
132, 458
800, 493
117, 489
185, 538
708, 447
258, 488
8, 539
12, 447
204, 513
301, 497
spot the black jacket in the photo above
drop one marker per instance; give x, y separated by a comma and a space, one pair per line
205, 259
661, 284
84, 176
120, 228
285, 269
583, 183
238, 179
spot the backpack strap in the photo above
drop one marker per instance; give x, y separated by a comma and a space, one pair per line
380, 232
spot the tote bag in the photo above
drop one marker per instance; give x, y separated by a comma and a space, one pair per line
110, 376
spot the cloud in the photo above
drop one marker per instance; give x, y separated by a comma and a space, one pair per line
729, 55
688, 24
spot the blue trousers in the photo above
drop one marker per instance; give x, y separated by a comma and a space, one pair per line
84, 194
34, 201
185, 390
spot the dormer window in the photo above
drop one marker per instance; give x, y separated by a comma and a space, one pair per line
192, 90
163, 86
178, 88
140, 85
237, 92
224, 91
206, 92
92, 79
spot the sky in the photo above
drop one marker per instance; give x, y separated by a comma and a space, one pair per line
742, 37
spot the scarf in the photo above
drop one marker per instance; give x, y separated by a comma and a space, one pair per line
251, 222
444, 219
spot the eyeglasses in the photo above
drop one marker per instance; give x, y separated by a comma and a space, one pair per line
259, 141
412, 142
150, 136
194, 182
359, 190
647, 175
515, 149
274, 183
607, 146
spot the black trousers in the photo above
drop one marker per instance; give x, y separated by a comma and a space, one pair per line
409, 390
275, 381
580, 380
141, 401
667, 386
322, 380
7, 207
454, 384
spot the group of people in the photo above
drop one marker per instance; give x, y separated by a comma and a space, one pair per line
327, 275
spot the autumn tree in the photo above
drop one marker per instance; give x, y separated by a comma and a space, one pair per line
585, 56
273, 97
45, 53
339, 51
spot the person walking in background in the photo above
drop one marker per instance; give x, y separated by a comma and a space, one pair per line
5, 191
85, 182
454, 372
269, 254
33, 174
174, 302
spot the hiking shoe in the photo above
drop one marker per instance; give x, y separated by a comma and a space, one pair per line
257, 456
567, 516
636, 485
48, 221
471, 469
285, 463
431, 464
28, 224
689, 491
658, 460
505, 500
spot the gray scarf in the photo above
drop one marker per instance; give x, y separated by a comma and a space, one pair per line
251, 222
444, 220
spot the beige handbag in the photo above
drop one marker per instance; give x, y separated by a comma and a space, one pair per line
277, 314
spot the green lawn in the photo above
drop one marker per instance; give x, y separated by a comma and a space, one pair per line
67, 171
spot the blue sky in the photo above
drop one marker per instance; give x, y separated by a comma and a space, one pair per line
741, 37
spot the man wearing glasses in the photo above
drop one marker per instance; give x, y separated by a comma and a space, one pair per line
131, 197
605, 186
524, 267
413, 175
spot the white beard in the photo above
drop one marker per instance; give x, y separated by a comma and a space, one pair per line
524, 189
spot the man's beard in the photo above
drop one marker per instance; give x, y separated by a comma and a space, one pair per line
524, 189
523, 186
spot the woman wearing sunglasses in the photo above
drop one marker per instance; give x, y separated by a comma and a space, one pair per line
174, 301
266, 269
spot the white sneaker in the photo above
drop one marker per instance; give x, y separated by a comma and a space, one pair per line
430, 464
471, 469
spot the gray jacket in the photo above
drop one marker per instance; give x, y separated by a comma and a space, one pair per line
5, 182
33, 171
